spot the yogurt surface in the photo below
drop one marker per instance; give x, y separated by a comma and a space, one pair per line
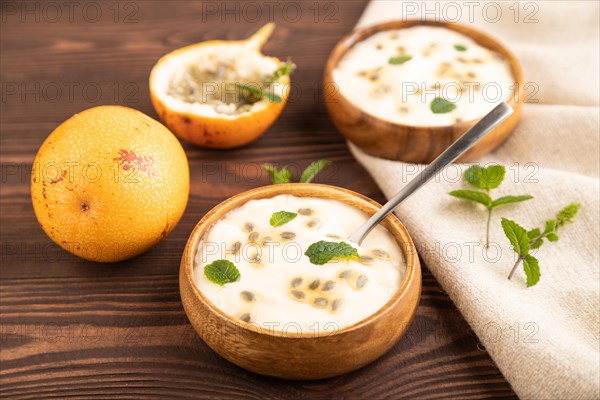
396, 75
279, 288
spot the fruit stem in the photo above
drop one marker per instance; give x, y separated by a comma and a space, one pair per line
261, 36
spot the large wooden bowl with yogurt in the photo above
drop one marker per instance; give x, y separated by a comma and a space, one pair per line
394, 139
293, 354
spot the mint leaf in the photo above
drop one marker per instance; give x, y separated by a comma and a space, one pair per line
282, 175
281, 218
460, 47
553, 237
473, 195
313, 169
485, 178
550, 226
567, 214
322, 251
399, 60
532, 270
493, 176
501, 201
532, 234
221, 272
473, 176
517, 235
535, 239
537, 244
440, 105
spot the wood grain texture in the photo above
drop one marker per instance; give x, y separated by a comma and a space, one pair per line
75, 329
415, 144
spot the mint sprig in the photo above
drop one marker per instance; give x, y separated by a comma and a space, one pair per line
278, 176
523, 241
322, 252
284, 175
221, 272
486, 179
287, 68
253, 94
281, 218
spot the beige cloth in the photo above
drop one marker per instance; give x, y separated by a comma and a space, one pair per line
545, 339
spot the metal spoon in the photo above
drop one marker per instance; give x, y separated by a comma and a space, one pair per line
464, 143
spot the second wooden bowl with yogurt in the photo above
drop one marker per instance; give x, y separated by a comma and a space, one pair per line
300, 320
381, 83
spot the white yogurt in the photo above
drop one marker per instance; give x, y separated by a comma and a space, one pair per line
474, 79
273, 281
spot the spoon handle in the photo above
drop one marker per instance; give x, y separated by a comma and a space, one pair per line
464, 143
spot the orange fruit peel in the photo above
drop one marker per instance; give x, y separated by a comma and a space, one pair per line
109, 183
198, 91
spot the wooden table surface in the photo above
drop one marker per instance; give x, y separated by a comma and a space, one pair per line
75, 329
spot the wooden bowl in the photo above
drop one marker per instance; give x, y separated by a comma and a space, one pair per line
307, 355
408, 143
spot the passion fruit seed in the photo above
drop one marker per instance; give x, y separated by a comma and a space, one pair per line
266, 240
245, 317
244, 108
253, 237
361, 281
235, 248
366, 260
248, 296
403, 110
306, 211
328, 286
255, 258
314, 284
357, 280
320, 302
298, 295
337, 305
314, 223
381, 254
296, 282
345, 274
249, 227
288, 235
